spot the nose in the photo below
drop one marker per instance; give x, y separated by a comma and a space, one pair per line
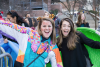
66, 27
47, 27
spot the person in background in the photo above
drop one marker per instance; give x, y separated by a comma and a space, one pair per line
7, 19
35, 23
28, 20
4, 37
81, 21
1, 15
57, 22
83, 11
16, 18
71, 44
5, 44
27, 15
46, 14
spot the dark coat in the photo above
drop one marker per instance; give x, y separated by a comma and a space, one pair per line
57, 22
76, 57
25, 24
85, 25
30, 22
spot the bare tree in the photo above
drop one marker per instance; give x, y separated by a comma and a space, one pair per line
95, 7
71, 4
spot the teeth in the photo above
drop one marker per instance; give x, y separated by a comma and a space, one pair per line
46, 31
65, 31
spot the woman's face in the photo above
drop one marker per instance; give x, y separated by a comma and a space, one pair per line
83, 17
7, 19
46, 15
46, 28
65, 28
28, 15
13, 20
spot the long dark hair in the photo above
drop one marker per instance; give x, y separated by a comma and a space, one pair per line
71, 38
35, 22
79, 22
19, 19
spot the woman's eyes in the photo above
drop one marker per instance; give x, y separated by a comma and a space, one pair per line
47, 26
44, 26
65, 26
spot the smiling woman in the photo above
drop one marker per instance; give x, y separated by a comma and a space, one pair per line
46, 29
32, 44
65, 28
71, 44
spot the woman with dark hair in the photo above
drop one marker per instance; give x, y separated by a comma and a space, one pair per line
16, 18
71, 44
13, 17
81, 21
28, 19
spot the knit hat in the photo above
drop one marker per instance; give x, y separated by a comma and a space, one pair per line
1, 13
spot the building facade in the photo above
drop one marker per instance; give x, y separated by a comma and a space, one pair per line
34, 7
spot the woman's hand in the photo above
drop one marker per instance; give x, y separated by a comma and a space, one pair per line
6, 40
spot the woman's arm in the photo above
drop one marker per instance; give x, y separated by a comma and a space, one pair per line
16, 31
20, 33
89, 42
7, 38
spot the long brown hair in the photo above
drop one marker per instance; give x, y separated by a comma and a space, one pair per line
53, 34
79, 22
71, 38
